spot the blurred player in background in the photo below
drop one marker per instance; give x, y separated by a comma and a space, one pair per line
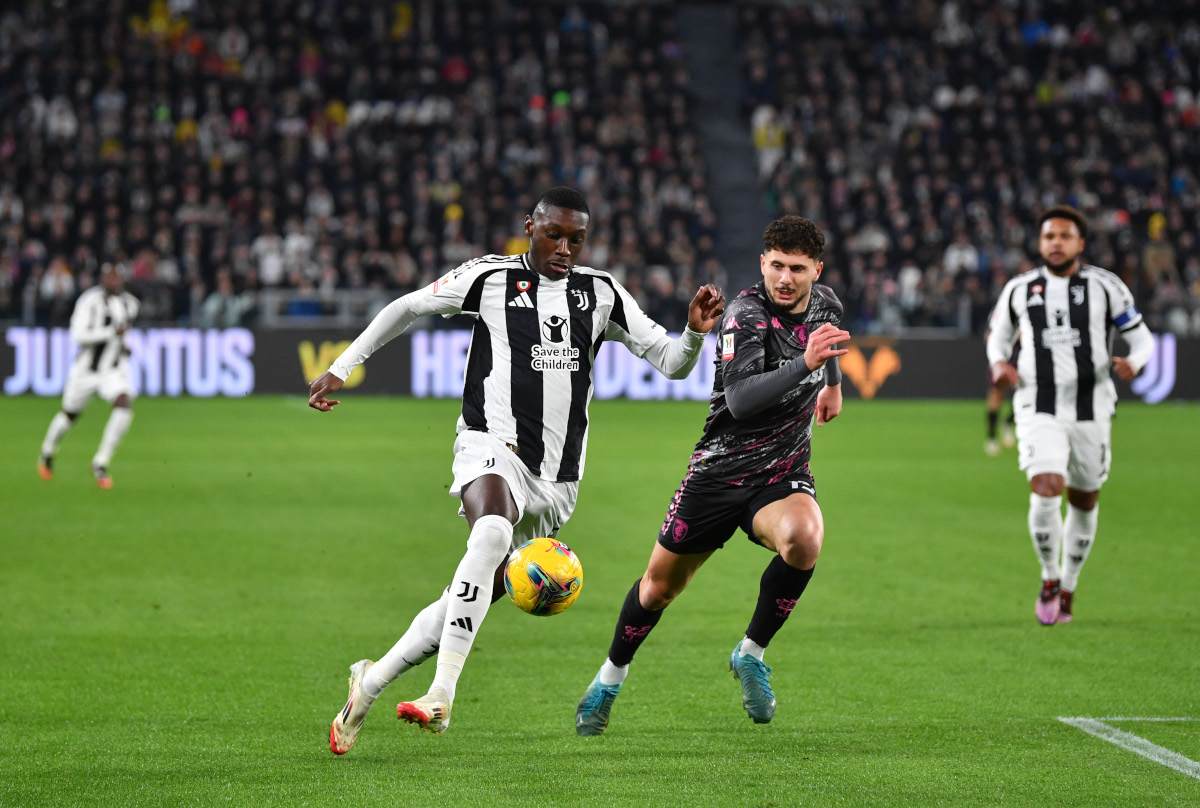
522, 435
102, 316
998, 391
776, 369
1064, 315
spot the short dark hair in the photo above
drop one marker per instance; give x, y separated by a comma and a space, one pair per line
794, 234
562, 196
1065, 212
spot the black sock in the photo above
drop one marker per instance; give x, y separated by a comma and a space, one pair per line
992, 417
633, 624
781, 586
1012, 416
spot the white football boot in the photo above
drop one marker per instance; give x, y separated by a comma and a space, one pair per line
430, 712
343, 732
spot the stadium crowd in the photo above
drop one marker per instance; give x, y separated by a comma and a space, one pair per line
220, 149
926, 137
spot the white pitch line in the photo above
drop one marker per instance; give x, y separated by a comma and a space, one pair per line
1136, 744
1147, 718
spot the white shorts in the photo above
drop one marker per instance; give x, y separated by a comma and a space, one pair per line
1080, 451
543, 507
82, 384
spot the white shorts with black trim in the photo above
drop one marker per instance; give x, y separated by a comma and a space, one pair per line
83, 383
543, 506
1080, 451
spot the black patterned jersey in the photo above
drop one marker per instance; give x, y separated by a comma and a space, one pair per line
757, 337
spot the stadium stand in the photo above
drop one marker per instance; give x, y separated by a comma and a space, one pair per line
349, 150
926, 138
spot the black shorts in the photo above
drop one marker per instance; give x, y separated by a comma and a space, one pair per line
704, 513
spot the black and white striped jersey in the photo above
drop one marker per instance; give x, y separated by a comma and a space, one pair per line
1066, 327
94, 324
529, 369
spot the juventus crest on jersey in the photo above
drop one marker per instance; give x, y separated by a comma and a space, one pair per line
529, 370
1066, 327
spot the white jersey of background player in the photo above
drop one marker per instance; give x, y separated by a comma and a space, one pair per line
102, 316
1065, 314
523, 430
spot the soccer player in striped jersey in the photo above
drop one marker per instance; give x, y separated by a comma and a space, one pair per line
522, 436
98, 324
1065, 315
776, 373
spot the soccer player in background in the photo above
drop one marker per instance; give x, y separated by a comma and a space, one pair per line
98, 324
776, 368
522, 435
996, 394
1064, 315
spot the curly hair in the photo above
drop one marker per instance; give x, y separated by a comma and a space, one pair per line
1065, 212
794, 235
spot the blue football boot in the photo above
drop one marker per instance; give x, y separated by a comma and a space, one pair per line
755, 676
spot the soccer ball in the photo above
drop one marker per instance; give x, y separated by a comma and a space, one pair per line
543, 577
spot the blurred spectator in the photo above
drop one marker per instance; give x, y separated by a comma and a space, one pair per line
224, 308
333, 146
933, 135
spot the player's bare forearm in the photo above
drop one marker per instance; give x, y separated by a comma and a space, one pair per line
706, 308
318, 391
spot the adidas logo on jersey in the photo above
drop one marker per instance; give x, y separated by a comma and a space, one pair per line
521, 301
463, 622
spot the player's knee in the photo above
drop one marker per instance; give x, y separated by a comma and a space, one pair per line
1046, 485
800, 542
1083, 500
656, 594
123, 400
490, 537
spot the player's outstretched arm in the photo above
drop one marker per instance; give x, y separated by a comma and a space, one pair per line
674, 358
318, 391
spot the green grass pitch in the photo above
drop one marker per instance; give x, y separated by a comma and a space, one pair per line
183, 639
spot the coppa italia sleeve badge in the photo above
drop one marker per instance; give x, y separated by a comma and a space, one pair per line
726, 347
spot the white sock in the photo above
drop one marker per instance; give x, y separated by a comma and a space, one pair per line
114, 430
1080, 536
418, 644
1046, 529
59, 425
470, 596
752, 648
611, 674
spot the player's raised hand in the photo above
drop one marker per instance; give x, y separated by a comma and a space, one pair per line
326, 383
1123, 368
706, 308
1005, 374
822, 345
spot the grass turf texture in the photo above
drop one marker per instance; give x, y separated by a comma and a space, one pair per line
184, 638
